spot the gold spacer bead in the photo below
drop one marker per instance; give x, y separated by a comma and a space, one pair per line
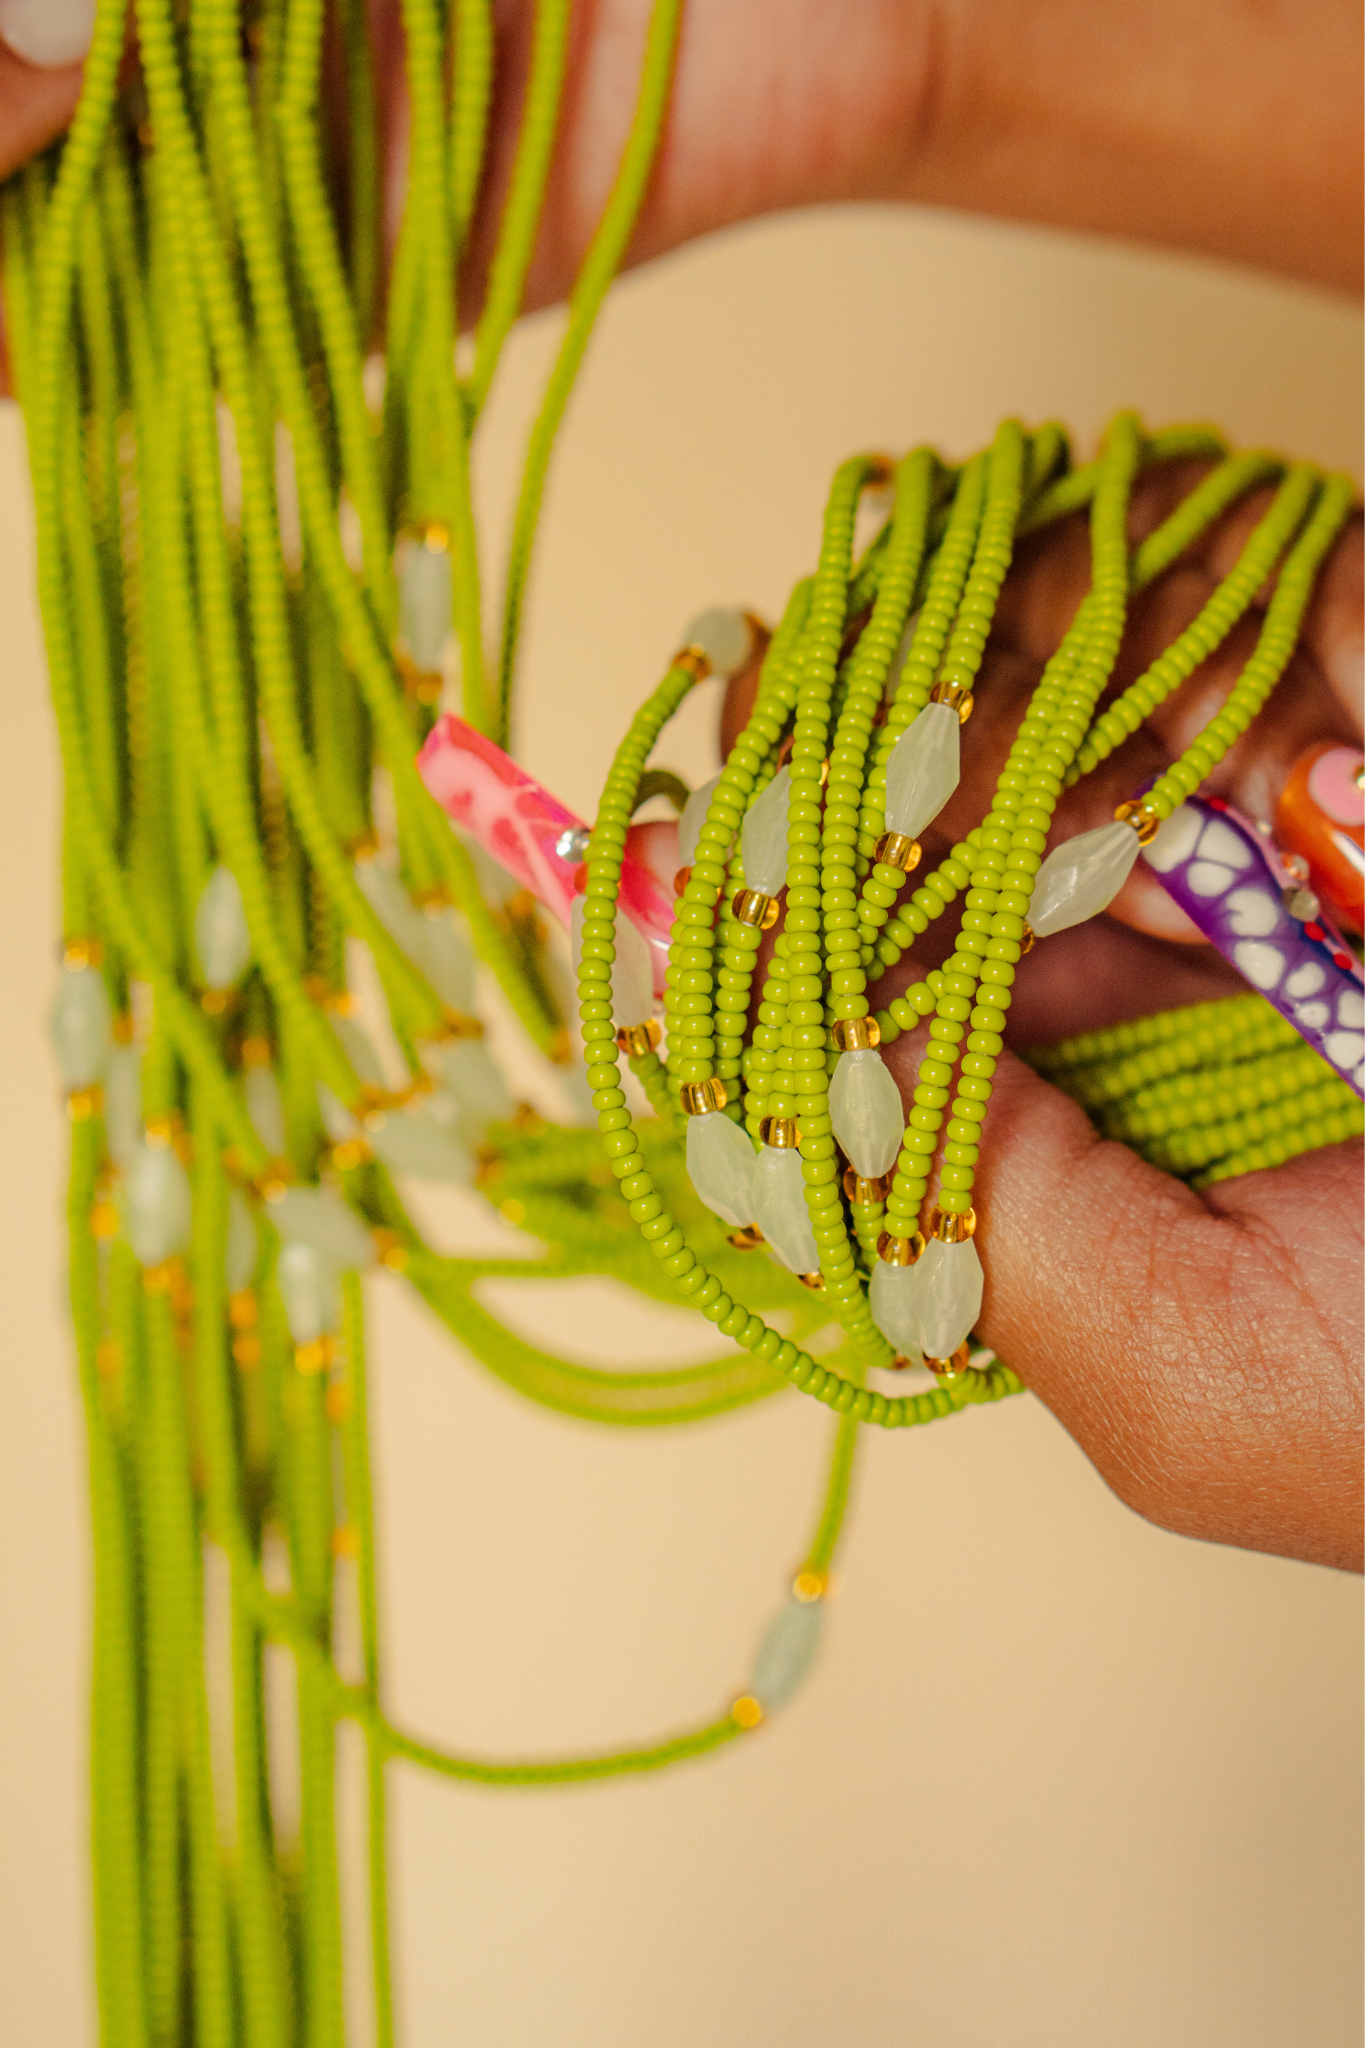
1028, 939
956, 696
899, 1251
681, 880
636, 1040
122, 1029
896, 850
338, 1401
433, 534
521, 906
815, 1282
109, 1358
746, 1712
880, 470
344, 1540
104, 1220
1138, 813
78, 953
390, 1250
365, 848
856, 1034
747, 1238
866, 1192
560, 1049
242, 1309
246, 1351
951, 1368
695, 660
82, 1103
349, 1154
315, 1357
780, 1132
216, 1002
809, 1586
751, 906
255, 1051
159, 1279
271, 1184
700, 1097
950, 1228
900, 1363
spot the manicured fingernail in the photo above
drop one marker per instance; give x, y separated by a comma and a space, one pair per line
48, 33
1321, 816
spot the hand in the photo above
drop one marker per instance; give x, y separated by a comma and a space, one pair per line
1204, 1350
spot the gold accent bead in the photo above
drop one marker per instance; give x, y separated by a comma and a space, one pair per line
1028, 939
560, 1048
700, 1097
109, 1358
216, 1002
809, 1586
956, 696
636, 1040
951, 1368
104, 1220
815, 1282
526, 1119
899, 1251
121, 1029
521, 906
880, 470
512, 1211
434, 535
681, 880
242, 1309
780, 1132
896, 850
344, 1540
349, 1154
255, 1051
695, 660
365, 848
751, 906
78, 953
950, 1228
246, 1351
390, 1250
746, 1712
747, 1238
315, 1357
856, 1034
1138, 813
866, 1192
272, 1183
901, 1364
159, 1279
338, 1401
82, 1103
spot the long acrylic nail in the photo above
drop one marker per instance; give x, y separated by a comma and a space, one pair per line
48, 33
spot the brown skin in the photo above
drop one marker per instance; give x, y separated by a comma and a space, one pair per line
1203, 1350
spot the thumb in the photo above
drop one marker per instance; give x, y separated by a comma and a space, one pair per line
1206, 1361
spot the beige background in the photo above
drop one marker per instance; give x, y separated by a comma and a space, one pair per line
1061, 1778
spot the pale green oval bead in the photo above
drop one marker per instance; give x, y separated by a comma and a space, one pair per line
265, 1107
156, 1205
780, 1212
692, 819
724, 636
221, 937
319, 1218
310, 1288
424, 603
893, 1298
392, 905
80, 1025
786, 1652
866, 1113
1082, 878
337, 1120
448, 961
359, 1049
632, 974
476, 1085
419, 1142
123, 1105
949, 1285
243, 1244
923, 770
763, 837
720, 1165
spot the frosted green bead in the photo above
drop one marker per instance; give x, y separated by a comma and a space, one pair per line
221, 938
923, 770
265, 1107
786, 1652
310, 1288
693, 818
318, 1217
780, 1212
242, 1244
426, 1141
893, 1299
156, 1205
865, 1110
476, 1085
724, 636
1082, 878
80, 1026
720, 1165
950, 1284
424, 603
123, 1105
763, 840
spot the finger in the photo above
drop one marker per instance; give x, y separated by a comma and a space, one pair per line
36, 100
1203, 1355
